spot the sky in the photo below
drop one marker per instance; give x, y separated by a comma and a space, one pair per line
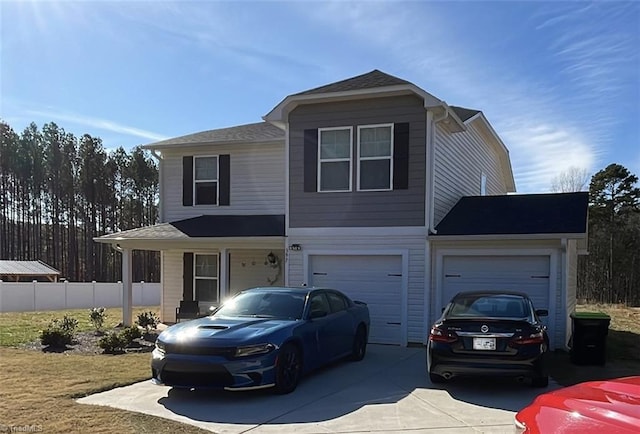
558, 81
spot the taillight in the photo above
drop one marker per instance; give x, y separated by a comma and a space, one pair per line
532, 339
439, 335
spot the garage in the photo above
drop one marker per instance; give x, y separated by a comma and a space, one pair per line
528, 274
373, 279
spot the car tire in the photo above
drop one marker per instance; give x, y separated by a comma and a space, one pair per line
542, 381
288, 369
436, 379
359, 344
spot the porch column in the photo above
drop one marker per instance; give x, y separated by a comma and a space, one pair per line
127, 288
224, 274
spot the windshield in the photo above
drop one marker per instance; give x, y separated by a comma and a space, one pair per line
495, 306
263, 304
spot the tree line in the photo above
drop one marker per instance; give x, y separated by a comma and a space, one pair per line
59, 191
610, 273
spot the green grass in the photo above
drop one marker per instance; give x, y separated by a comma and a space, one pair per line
20, 327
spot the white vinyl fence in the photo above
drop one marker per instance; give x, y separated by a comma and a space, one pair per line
39, 296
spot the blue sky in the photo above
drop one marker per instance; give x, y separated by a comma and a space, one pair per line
559, 81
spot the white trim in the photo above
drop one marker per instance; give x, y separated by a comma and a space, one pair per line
286, 204
223, 274
334, 160
359, 232
553, 275
500, 237
428, 171
404, 290
389, 158
427, 318
483, 184
217, 180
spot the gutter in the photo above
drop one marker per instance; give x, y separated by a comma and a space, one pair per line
432, 178
160, 202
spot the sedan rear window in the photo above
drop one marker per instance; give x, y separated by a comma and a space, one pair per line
262, 304
496, 306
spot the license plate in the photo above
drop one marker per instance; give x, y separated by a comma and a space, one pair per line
484, 344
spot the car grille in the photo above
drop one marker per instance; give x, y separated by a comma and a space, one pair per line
215, 377
194, 350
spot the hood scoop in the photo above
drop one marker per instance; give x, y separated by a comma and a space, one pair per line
213, 327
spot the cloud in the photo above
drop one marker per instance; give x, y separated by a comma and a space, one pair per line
548, 126
101, 124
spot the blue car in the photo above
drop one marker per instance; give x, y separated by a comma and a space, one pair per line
262, 337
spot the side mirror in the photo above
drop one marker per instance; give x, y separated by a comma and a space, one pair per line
317, 314
542, 312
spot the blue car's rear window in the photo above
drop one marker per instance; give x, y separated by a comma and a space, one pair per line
263, 304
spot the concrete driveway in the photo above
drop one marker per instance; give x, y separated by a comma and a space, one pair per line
387, 392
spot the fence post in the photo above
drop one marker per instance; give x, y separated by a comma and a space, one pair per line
1, 308
142, 303
66, 295
93, 283
34, 295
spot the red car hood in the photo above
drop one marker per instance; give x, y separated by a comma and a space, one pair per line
610, 406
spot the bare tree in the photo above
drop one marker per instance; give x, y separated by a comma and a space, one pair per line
570, 180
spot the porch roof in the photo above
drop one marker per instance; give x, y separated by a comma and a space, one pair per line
518, 214
204, 226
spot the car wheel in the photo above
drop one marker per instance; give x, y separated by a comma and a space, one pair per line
436, 379
359, 344
540, 381
288, 369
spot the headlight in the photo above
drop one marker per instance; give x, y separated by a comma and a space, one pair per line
253, 350
160, 346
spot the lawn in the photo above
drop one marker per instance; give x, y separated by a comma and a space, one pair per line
622, 348
39, 389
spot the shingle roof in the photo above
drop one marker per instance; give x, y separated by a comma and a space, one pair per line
258, 132
26, 268
207, 226
369, 80
557, 213
464, 113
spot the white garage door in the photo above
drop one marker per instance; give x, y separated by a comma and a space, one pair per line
375, 280
528, 274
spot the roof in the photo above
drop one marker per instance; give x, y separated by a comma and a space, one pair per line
206, 226
27, 268
556, 213
369, 80
464, 113
250, 133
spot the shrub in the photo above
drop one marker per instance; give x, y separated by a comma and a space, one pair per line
97, 316
130, 334
148, 320
59, 333
113, 343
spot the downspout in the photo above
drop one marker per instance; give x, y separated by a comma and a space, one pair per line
432, 181
160, 202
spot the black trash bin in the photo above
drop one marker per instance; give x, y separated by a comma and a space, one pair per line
589, 337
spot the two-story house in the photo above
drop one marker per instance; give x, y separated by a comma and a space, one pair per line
370, 185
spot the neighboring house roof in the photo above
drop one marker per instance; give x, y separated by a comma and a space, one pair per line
464, 113
250, 133
556, 213
206, 226
369, 80
17, 269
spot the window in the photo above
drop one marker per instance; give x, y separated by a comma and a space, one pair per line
375, 155
206, 278
337, 302
483, 185
319, 303
334, 160
205, 180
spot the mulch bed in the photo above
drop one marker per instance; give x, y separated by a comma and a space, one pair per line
87, 343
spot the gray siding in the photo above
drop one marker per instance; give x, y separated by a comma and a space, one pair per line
361, 209
572, 285
461, 158
257, 181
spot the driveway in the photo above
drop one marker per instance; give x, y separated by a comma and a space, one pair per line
387, 392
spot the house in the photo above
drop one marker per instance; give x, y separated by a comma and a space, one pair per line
370, 185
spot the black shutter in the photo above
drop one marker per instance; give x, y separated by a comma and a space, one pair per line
401, 156
311, 160
224, 179
187, 181
187, 276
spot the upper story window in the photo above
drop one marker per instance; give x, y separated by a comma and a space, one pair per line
335, 148
205, 180
206, 278
483, 184
375, 157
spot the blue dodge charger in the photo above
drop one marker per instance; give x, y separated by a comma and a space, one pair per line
262, 337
